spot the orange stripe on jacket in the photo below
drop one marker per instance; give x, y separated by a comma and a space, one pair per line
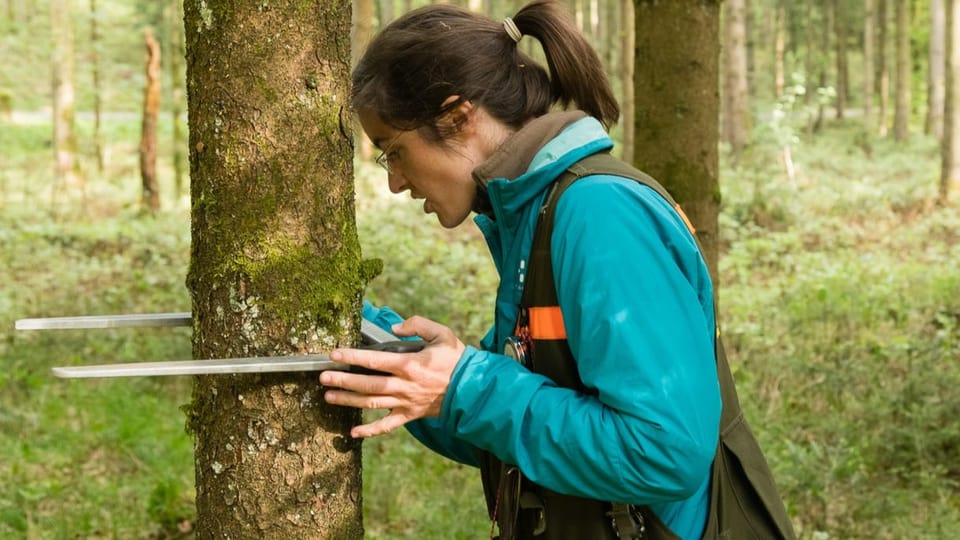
546, 323
686, 220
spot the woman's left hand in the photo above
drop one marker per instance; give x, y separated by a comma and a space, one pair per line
417, 384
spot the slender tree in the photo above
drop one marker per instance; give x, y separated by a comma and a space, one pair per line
779, 48
840, 31
736, 121
95, 72
883, 67
275, 265
175, 65
676, 80
148, 132
950, 170
825, 31
869, 46
901, 113
935, 73
64, 136
362, 32
810, 58
627, 64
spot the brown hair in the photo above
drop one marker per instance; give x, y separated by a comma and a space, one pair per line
438, 51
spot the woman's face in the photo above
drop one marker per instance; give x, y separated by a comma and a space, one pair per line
440, 175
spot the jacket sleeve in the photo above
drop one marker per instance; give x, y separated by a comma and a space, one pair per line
429, 431
637, 306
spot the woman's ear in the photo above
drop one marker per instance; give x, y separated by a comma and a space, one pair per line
457, 119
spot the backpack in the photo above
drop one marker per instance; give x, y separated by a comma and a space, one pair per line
744, 501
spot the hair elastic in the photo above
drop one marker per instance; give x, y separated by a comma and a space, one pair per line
512, 30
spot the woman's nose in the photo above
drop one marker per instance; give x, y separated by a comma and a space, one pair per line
396, 182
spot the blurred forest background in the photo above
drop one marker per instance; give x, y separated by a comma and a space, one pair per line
839, 275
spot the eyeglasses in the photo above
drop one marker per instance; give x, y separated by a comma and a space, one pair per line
385, 156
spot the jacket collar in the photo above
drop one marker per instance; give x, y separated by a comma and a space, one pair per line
532, 158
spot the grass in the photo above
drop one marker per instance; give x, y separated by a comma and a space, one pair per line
840, 303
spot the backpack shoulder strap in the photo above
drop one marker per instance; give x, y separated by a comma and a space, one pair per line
730, 480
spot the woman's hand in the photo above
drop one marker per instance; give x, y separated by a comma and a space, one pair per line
418, 383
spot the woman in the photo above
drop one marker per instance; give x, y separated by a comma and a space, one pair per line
463, 119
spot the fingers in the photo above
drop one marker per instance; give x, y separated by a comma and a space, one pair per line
380, 427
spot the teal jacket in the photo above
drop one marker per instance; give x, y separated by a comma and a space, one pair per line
637, 304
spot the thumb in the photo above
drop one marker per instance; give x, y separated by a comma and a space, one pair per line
422, 327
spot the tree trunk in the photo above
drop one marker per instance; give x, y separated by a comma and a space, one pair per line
362, 32
827, 24
627, 63
175, 62
64, 138
810, 63
95, 71
901, 114
736, 120
950, 172
869, 46
275, 265
386, 11
148, 132
935, 80
677, 78
840, 30
883, 67
779, 48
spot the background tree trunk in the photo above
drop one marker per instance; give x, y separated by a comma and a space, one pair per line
883, 67
810, 59
175, 63
825, 30
677, 81
736, 120
627, 63
935, 80
840, 29
950, 172
148, 133
362, 32
869, 46
779, 48
275, 267
95, 72
64, 137
901, 113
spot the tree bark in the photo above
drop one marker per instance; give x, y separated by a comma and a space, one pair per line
148, 133
950, 163
736, 120
901, 113
275, 266
935, 79
676, 88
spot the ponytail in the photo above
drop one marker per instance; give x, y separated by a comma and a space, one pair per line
576, 73
424, 57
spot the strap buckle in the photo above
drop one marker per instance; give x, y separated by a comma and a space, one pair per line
627, 521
